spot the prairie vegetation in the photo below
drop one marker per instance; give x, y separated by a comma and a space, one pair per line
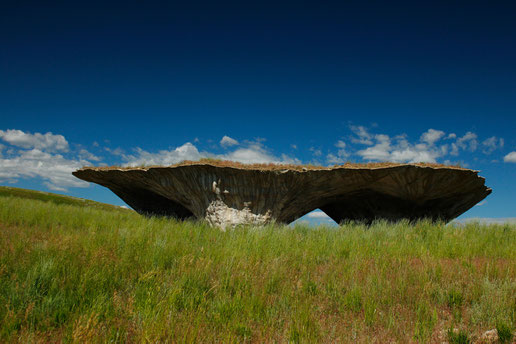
279, 167
79, 272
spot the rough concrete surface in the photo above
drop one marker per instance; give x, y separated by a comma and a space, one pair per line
227, 196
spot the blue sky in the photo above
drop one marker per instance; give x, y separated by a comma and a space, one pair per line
304, 82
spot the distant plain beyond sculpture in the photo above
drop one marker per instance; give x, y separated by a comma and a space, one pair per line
227, 194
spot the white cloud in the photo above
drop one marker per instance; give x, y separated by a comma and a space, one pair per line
117, 151
84, 154
468, 141
254, 152
36, 156
491, 144
341, 155
250, 155
363, 136
398, 149
315, 151
48, 142
444, 149
403, 151
511, 157
318, 214
54, 169
432, 136
340, 144
455, 149
227, 141
380, 151
164, 157
414, 155
334, 159
293, 146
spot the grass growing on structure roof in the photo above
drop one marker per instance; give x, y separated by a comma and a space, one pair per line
83, 274
276, 167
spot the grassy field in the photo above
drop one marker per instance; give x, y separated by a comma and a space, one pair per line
77, 271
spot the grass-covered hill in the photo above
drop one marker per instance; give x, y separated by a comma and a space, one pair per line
79, 271
6, 191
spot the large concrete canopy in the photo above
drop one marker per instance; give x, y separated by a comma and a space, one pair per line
228, 194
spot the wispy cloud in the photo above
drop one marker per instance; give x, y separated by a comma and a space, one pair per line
340, 156
315, 151
115, 151
468, 141
511, 157
227, 141
84, 154
431, 136
491, 144
362, 136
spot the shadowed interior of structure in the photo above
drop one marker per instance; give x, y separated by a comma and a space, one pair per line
149, 203
369, 205
361, 205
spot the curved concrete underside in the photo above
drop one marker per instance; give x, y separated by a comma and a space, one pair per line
227, 196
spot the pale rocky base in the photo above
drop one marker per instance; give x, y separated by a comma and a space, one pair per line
218, 214
488, 337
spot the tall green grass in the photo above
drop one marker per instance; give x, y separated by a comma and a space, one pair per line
84, 274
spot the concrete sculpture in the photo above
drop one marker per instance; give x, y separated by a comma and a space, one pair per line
227, 194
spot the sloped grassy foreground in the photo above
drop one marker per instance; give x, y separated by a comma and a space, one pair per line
81, 273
